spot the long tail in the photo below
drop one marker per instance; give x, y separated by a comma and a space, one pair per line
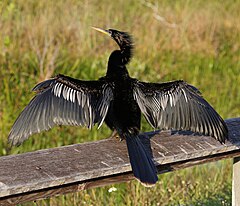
141, 161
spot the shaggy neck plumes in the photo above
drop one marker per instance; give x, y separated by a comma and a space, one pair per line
125, 42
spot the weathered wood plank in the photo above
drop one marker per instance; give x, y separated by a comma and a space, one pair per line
54, 171
78, 186
236, 182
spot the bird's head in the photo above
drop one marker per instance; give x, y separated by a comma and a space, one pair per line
124, 41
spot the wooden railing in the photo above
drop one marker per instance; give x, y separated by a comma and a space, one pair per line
45, 173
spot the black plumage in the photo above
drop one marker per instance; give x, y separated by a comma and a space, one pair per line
118, 100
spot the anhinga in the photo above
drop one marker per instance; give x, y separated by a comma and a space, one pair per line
118, 100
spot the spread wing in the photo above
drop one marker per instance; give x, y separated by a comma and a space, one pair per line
62, 101
178, 105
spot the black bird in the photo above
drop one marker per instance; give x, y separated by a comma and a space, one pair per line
118, 100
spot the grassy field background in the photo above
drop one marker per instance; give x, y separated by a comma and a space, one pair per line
198, 41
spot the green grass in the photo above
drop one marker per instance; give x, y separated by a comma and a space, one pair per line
199, 41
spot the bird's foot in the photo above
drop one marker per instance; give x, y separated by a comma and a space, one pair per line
116, 135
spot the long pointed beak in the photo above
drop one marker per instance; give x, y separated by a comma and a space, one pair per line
102, 30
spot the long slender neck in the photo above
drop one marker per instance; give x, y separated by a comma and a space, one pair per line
116, 67
119, 58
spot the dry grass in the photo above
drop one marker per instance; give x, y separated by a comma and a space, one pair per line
198, 27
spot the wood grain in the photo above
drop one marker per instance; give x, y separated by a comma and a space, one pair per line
50, 172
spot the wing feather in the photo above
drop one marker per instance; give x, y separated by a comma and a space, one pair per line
178, 105
62, 101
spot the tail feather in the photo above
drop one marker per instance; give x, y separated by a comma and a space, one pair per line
141, 161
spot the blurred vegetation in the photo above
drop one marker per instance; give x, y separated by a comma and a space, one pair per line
198, 41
